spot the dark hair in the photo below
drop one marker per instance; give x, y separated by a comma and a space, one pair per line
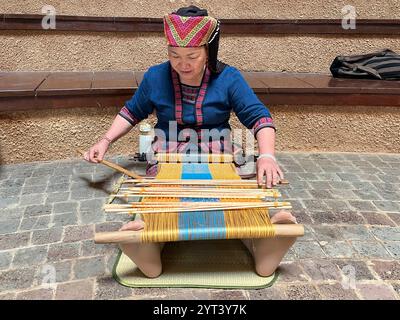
191, 11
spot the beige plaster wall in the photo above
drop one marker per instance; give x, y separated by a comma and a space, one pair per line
55, 134
278, 9
25, 51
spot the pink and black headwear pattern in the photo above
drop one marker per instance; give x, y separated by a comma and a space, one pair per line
193, 27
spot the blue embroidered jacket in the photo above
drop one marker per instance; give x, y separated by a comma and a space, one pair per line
226, 92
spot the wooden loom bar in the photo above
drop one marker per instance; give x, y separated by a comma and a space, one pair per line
213, 192
195, 157
281, 230
187, 195
197, 188
216, 182
194, 194
203, 190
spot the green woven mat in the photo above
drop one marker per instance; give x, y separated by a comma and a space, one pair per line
193, 264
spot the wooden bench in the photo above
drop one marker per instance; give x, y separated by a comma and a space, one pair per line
71, 23
48, 90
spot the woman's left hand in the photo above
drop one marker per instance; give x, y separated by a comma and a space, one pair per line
269, 168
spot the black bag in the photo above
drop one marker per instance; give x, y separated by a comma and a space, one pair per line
383, 65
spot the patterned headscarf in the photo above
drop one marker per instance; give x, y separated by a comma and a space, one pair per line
193, 27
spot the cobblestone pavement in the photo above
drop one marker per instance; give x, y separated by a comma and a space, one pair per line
349, 204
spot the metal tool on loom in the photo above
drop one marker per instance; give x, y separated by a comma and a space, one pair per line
198, 201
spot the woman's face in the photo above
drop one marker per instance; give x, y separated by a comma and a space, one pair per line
188, 62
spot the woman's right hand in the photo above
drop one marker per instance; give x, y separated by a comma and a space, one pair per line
96, 153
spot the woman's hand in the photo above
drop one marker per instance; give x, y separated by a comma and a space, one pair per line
97, 151
268, 167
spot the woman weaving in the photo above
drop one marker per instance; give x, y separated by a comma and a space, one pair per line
198, 91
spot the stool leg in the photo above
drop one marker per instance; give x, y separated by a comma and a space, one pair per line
269, 252
146, 256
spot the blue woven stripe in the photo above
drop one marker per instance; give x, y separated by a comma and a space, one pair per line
197, 171
200, 225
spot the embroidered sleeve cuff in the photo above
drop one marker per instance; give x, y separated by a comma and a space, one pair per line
124, 113
265, 122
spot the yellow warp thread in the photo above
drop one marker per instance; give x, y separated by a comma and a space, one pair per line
162, 227
221, 171
246, 223
169, 171
254, 223
242, 223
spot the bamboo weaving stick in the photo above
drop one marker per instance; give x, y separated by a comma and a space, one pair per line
116, 167
195, 209
189, 204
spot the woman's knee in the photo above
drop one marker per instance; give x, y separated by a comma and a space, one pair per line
153, 272
264, 269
